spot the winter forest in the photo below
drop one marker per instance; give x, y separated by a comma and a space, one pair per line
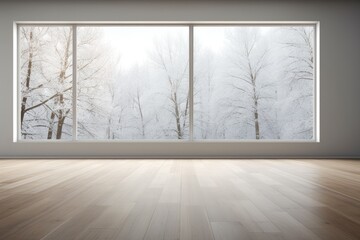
132, 82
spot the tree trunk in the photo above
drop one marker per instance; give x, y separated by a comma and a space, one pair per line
61, 112
256, 110
138, 103
253, 77
186, 111
177, 116
60, 125
51, 125
28, 77
256, 115
108, 130
61, 117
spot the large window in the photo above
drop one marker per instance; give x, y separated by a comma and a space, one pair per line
185, 82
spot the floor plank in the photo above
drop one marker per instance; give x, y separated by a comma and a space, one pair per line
179, 199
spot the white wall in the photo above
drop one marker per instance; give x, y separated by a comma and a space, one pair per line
340, 81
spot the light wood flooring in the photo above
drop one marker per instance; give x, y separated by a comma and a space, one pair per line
179, 199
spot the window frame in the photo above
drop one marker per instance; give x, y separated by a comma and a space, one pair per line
190, 25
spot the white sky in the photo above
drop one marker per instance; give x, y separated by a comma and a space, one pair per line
134, 43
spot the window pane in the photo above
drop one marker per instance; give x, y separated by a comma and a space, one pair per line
45, 55
254, 82
132, 82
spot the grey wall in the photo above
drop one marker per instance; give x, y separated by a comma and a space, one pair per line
340, 65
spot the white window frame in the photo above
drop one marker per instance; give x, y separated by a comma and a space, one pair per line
190, 25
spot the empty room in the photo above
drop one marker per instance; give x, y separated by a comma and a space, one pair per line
179, 120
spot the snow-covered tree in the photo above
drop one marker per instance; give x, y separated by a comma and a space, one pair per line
171, 56
298, 82
46, 80
249, 84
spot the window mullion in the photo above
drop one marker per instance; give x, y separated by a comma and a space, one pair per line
191, 82
74, 82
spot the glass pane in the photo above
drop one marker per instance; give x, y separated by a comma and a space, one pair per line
254, 82
45, 55
132, 82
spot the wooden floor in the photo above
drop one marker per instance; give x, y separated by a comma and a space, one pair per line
179, 199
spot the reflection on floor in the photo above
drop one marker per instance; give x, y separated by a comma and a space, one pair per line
179, 199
